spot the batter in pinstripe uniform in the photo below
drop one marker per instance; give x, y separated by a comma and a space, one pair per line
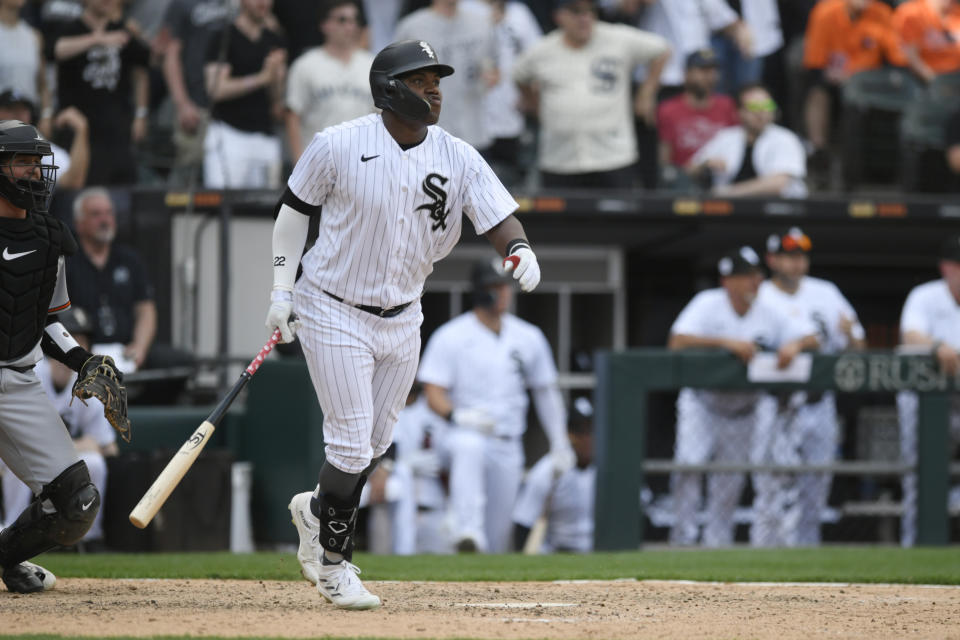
393, 192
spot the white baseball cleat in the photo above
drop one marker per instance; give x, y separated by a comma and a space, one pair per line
308, 527
340, 585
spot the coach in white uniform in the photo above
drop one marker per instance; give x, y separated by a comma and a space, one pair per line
720, 426
393, 192
930, 317
806, 429
476, 371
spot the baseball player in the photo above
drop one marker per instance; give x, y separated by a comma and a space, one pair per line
92, 434
34, 443
476, 371
787, 506
930, 318
393, 190
720, 426
566, 500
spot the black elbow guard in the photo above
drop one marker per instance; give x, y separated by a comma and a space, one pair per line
291, 200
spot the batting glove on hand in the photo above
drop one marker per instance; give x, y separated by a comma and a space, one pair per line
281, 316
524, 265
476, 419
562, 459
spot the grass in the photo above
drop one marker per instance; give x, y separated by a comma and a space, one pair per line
828, 564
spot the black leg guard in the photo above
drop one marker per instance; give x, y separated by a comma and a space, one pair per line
76, 501
338, 521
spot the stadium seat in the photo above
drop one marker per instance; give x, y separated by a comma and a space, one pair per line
922, 142
873, 102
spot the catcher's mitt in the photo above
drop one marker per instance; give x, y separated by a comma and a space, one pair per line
99, 378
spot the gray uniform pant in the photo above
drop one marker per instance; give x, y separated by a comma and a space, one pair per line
34, 443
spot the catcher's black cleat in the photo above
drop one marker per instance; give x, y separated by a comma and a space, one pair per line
27, 577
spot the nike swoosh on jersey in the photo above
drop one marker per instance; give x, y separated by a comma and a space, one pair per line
13, 256
364, 158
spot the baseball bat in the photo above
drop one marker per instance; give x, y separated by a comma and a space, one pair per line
533, 545
182, 460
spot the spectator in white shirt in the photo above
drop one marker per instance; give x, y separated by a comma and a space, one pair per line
756, 157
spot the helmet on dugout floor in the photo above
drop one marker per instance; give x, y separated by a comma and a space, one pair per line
389, 92
18, 139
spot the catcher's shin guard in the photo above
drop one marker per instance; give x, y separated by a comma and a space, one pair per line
76, 501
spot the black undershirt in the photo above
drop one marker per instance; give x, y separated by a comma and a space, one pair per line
747, 170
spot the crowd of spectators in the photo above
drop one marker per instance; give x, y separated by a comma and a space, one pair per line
555, 93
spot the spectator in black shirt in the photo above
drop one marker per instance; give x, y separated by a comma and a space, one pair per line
102, 71
110, 281
246, 90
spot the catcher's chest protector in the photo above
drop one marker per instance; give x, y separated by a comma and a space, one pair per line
29, 252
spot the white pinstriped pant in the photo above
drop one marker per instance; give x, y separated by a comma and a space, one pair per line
362, 367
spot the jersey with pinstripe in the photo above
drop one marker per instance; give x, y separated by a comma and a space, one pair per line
387, 213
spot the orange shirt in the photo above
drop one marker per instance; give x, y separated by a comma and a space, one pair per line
834, 41
936, 38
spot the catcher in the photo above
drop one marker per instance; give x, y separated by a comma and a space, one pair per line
34, 443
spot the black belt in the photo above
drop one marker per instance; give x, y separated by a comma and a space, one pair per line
19, 369
377, 311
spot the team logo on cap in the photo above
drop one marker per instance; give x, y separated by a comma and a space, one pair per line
427, 49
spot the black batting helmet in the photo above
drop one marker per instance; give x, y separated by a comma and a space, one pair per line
485, 274
21, 139
396, 59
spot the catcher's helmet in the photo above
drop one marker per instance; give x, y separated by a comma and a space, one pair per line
21, 139
76, 321
485, 274
396, 59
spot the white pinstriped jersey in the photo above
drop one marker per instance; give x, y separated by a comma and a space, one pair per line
930, 308
822, 303
388, 213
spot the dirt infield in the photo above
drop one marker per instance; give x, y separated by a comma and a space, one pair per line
488, 610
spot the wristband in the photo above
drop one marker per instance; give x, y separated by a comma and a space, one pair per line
517, 243
281, 295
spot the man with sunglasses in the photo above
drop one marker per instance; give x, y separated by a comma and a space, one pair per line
327, 85
756, 157
788, 506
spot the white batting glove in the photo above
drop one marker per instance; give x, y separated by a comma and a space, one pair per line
524, 265
476, 419
562, 459
281, 316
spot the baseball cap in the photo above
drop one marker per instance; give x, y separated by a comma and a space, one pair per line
739, 262
702, 59
793, 240
950, 250
11, 97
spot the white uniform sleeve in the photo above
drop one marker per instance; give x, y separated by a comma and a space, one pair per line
526, 28
914, 316
783, 154
534, 492
524, 69
644, 46
296, 86
844, 308
718, 14
436, 365
60, 299
552, 415
315, 173
486, 201
690, 320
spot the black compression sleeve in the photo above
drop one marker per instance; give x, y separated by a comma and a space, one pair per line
291, 200
73, 358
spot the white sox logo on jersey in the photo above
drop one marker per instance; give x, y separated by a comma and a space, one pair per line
437, 208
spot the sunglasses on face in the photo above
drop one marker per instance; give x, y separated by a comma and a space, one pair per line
761, 106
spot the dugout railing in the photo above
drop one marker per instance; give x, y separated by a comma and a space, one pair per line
625, 381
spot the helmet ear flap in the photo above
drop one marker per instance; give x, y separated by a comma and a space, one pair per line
392, 89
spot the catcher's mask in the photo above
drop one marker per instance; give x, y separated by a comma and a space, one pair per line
389, 91
19, 141
487, 274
